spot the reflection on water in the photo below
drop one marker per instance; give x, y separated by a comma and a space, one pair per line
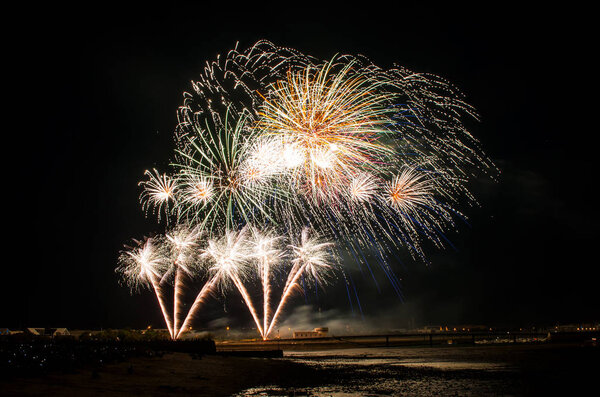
397, 371
455, 365
457, 370
440, 358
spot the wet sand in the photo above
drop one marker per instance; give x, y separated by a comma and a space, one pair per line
541, 369
491, 370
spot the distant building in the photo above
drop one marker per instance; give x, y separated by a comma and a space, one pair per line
435, 329
321, 332
60, 332
471, 327
577, 327
430, 329
48, 332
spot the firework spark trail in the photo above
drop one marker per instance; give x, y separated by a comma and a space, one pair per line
265, 275
240, 286
183, 242
266, 283
268, 256
291, 283
143, 265
312, 258
230, 255
177, 300
161, 303
208, 287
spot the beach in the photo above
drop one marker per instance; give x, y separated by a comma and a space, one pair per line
527, 369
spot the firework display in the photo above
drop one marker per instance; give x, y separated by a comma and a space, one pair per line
228, 260
144, 265
340, 155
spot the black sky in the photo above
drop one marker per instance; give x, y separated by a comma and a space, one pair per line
94, 105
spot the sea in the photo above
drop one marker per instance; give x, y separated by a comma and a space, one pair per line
468, 370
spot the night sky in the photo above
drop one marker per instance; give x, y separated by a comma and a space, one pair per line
94, 100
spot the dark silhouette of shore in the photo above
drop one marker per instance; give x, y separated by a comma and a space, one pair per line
162, 367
